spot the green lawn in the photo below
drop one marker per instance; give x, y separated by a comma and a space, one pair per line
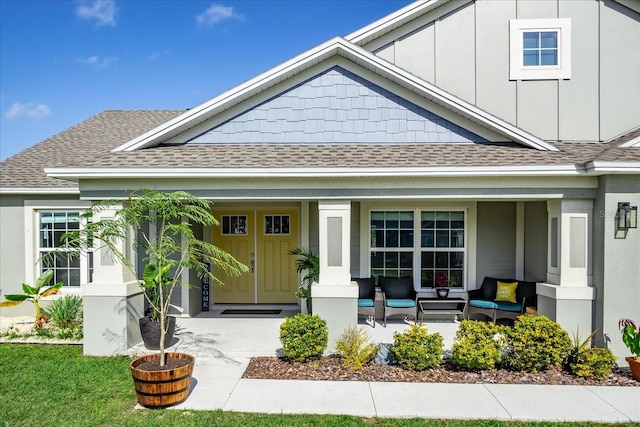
43, 385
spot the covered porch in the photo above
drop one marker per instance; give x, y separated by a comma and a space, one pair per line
535, 229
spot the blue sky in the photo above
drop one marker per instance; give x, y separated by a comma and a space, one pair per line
64, 61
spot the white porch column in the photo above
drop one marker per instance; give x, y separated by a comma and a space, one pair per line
113, 303
335, 298
568, 295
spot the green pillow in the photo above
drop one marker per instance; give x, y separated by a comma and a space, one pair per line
506, 291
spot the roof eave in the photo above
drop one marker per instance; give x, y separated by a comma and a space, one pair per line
597, 167
44, 190
313, 172
393, 21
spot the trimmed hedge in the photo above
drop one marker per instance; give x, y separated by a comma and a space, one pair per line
303, 336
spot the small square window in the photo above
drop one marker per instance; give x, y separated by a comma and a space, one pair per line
540, 49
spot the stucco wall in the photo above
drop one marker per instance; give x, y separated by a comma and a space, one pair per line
355, 239
12, 268
465, 51
617, 267
18, 248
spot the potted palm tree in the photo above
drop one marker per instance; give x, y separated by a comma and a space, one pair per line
307, 263
160, 227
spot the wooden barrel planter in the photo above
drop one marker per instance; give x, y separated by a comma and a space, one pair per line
158, 387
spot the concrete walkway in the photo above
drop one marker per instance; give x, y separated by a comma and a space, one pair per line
224, 346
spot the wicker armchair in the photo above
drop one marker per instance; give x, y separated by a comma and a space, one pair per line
400, 298
367, 299
482, 300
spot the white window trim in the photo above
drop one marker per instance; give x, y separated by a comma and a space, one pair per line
32, 226
470, 209
517, 71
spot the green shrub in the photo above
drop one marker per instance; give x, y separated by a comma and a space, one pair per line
593, 363
416, 349
535, 343
65, 312
303, 336
356, 348
478, 345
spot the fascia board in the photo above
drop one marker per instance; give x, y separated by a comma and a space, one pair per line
451, 171
393, 20
26, 190
631, 4
634, 143
600, 167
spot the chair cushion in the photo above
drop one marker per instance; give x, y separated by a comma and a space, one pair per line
508, 306
498, 305
400, 303
506, 291
365, 303
481, 303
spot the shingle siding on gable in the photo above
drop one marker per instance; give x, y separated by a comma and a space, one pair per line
337, 106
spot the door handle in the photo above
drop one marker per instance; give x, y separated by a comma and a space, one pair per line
253, 262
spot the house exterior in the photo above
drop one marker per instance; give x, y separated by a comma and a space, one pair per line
474, 138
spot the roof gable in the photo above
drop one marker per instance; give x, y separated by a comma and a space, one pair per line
330, 53
336, 106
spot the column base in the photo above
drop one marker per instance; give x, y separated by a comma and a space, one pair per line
111, 314
570, 306
338, 306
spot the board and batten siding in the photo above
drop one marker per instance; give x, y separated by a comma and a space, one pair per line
496, 241
463, 48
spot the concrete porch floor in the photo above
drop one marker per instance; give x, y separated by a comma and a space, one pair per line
212, 334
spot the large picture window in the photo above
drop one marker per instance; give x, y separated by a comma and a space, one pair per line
52, 225
418, 243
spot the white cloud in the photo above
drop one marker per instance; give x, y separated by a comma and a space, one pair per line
98, 61
103, 12
156, 55
28, 110
217, 13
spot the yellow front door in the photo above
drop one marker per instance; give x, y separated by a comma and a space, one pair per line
261, 240
235, 235
277, 233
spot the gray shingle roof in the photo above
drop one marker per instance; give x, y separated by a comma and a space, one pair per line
89, 144
344, 155
90, 139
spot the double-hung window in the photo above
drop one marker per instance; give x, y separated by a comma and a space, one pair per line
419, 243
52, 225
442, 247
540, 49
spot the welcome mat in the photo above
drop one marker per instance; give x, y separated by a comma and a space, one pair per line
250, 311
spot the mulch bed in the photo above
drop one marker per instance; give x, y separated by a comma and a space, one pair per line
330, 368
